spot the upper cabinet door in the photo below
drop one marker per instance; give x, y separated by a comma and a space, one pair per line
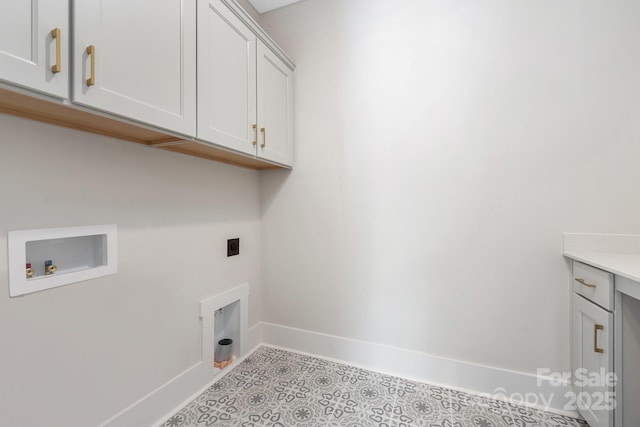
137, 59
226, 78
34, 46
275, 107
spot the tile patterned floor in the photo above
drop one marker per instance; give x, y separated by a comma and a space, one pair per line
276, 388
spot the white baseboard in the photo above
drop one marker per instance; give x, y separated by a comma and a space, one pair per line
254, 336
201, 390
146, 410
516, 387
155, 408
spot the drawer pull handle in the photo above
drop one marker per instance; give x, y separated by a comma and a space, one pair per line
56, 68
584, 282
597, 328
255, 133
91, 51
264, 137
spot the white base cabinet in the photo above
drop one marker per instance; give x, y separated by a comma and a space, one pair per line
137, 59
33, 48
592, 341
606, 325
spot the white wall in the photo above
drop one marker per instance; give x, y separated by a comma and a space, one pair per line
77, 355
442, 147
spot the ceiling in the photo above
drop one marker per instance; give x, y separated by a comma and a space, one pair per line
267, 5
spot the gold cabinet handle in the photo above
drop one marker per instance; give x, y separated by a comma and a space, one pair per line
91, 51
585, 283
597, 328
56, 68
264, 137
255, 134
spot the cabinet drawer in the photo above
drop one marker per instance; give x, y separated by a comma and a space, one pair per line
594, 284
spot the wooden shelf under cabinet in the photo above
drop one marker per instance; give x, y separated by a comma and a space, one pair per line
30, 107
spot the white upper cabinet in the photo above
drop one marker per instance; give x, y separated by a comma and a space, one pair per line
198, 77
226, 78
275, 114
137, 59
244, 87
34, 46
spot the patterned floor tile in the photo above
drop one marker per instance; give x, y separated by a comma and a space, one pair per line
224, 385
268, 355
256, 400
311, 412
389, 414
311, 365
477, 416
252, 361
277, 388
461, 401
424, 410
243, 422
324, 381
496, 407
288, 391
220, 408
355, 420
369, 394
284, 371
388, 383
244, 378
528, 417
179, 420
268, 418
352, 375
338, 404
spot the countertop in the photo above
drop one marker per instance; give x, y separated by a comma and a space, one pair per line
616, 253
625, 265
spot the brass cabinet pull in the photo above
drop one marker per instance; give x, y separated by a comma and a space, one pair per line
597, 328
264, 137
91, 51
255, 134
56, 68
584, 282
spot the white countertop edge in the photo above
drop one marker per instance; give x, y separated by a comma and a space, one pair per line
621, 264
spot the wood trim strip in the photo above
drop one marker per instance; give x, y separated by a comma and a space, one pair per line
38, 109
